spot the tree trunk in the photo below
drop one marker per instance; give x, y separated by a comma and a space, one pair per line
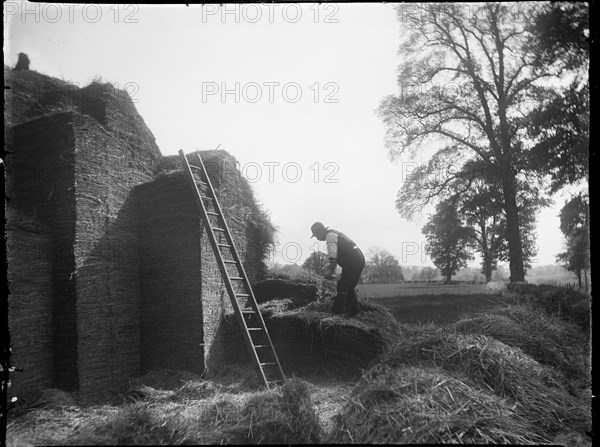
488, 275
513, 233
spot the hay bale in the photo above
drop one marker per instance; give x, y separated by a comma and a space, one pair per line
30, 302
425, 405
547, 339
494, 366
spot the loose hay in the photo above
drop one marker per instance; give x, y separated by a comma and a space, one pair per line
496, 367
416, 405
285, 415
547, 339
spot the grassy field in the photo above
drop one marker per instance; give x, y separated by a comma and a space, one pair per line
419, 289
422, 303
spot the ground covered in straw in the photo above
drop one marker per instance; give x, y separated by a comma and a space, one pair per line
513, 373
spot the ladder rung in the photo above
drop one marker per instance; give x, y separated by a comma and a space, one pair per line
238, 278
242, 294
248, 311
219, 229
205, 198
210, 213
255, 329
194, 166
227, 261
224, 245
261, 346
268, 364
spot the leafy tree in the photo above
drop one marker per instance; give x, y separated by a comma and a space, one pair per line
317, 262
382, 267
481, 203
465, 84
448, 240
428, 274
561, 35
574, 223
564, 153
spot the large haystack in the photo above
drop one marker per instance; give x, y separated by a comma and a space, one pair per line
72, 168
183, 295
29, 255
74, 157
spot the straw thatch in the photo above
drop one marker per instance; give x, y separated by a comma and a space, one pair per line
490, 365
29, 257
425, 405
547, 339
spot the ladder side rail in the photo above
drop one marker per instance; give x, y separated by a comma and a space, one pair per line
236, 258
222, 268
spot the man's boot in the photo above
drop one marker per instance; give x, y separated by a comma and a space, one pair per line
338, 303
353, 304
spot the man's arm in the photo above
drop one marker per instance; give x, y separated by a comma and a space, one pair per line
331, 240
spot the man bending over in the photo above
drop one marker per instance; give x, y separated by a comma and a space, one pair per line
342, 251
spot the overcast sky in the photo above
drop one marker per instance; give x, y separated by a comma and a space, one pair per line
289, 90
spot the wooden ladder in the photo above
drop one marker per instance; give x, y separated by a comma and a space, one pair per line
262, 352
